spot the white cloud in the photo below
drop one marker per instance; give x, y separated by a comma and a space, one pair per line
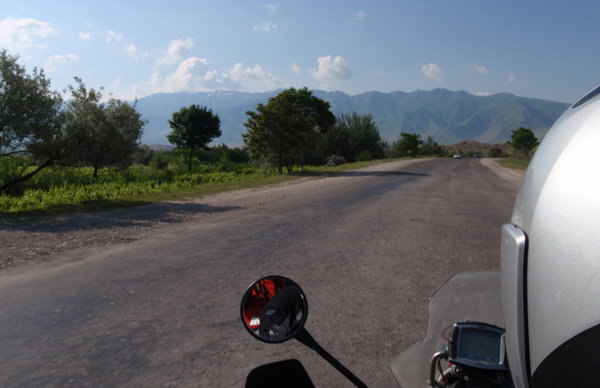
211, 75
331, 68
190, 74
358, 15
187, 77
133, 52
118, 89
177, 49
482, 94
212, 80
176, 72
112, 36
433, 71
53, 60
19, 34
478, 69
272, 8
240, 74
296, 69
264, 26
85, 35
511, 77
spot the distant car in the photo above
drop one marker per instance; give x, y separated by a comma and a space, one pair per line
457, 155
476, 155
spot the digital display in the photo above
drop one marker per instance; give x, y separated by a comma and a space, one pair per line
480, 345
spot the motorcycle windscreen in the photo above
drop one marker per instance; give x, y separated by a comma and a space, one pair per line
473, 296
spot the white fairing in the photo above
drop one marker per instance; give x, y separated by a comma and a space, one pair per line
558, 208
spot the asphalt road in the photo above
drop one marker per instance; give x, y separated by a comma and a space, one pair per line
367, 247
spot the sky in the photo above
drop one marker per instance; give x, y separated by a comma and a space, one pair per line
540, 49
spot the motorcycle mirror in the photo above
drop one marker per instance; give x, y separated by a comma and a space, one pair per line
274, 309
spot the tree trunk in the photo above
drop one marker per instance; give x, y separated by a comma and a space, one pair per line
280, 164
28, 176
189, 163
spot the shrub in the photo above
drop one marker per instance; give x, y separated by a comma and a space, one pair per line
364, 156
334, 160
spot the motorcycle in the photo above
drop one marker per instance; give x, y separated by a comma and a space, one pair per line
464, 331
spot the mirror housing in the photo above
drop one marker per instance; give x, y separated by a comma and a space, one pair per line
274, 309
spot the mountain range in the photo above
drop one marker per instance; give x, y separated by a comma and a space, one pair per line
447, 116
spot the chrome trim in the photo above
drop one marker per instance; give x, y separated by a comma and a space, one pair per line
514, 304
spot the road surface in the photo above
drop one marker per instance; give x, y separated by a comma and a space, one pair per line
368, 248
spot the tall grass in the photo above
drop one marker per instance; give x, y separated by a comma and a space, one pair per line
516, 163
55, 187
70, 185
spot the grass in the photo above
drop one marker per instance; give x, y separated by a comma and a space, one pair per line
511, 162
68, 199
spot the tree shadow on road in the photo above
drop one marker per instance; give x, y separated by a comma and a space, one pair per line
142, 215
362, 173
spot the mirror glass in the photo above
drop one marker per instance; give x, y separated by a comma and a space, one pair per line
274, 309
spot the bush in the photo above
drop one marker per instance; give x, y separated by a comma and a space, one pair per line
495, 152
334, 160
160, 160
143, 155
364, 156
11, 168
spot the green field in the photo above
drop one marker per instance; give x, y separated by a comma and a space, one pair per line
67, 190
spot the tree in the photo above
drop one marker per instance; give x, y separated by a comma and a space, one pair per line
355, 137
127, 125
193, 127
408, 144
523, 141
99, 134
287, 128
495, 152
429, 148
143, 155
29, 120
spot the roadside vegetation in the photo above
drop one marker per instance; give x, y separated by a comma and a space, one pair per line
524, 144
512, 162
73, 189
84, 153
515, 153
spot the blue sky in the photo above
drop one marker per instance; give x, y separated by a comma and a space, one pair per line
541, 49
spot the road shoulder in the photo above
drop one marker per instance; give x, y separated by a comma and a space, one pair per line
510, 174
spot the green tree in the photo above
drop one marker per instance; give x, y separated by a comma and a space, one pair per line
143, 155
429, 148
408, 144
523, 141
29, 120
99, 134
161, 159
355, 137
495, 152
193, 127
287, 128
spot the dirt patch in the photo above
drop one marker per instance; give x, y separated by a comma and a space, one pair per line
40, 238
509, 174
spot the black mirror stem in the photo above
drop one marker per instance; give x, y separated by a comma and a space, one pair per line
304, 337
